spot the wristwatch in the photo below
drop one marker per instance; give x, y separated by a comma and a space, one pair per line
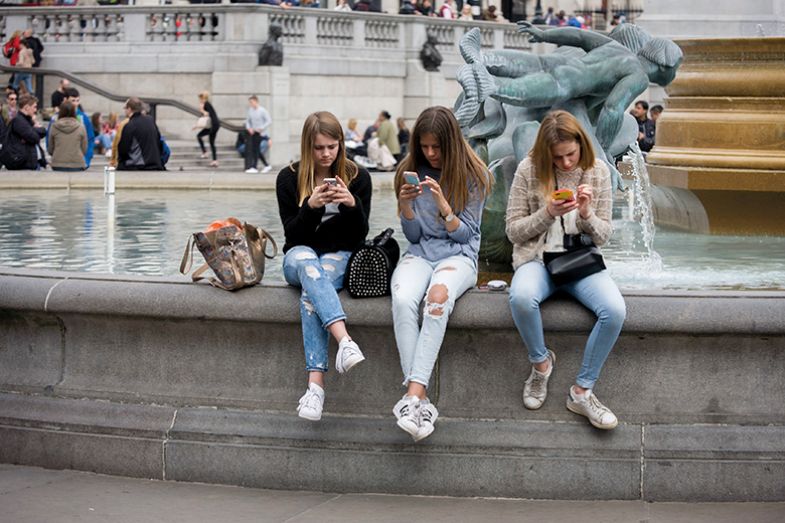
450, 217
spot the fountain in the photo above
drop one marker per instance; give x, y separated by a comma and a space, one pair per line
719, 158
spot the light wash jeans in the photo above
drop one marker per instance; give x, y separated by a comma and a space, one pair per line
26, 78
412, 280
320, 278
531, 285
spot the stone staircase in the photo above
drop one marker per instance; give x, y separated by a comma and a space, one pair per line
186, 157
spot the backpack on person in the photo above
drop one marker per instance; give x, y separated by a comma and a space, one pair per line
166, 152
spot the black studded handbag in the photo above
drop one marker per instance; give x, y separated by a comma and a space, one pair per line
370, 267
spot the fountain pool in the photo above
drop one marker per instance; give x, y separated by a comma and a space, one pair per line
143, 233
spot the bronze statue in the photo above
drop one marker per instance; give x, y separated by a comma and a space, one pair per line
593, 76
430, 56
271, 52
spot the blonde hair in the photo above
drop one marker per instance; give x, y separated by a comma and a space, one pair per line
352, 125
460, 164
325, 123
204, 96
557, 127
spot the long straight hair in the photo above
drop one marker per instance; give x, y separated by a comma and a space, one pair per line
557, 127
460, 164
325, 123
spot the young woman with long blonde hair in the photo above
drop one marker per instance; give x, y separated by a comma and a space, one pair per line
324, 201
536, 224
440, 208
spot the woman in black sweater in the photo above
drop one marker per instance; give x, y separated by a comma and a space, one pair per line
324, 201
211, 130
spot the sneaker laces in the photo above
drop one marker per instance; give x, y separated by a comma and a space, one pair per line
597, 408
310, 400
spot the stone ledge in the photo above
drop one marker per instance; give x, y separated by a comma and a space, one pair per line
685, 312
464, 457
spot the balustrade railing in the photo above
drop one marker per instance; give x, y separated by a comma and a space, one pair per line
182, 24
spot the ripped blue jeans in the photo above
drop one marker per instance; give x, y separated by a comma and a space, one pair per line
320, 278
416, 279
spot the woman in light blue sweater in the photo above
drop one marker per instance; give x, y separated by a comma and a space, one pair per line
441, 187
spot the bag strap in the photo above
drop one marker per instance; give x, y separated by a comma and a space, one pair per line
264, 234
384, 237
561, 217
188, 256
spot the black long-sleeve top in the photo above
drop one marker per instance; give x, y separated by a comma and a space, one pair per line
215, 124
303, 225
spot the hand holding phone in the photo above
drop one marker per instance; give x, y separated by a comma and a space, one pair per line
331, 182
411, 178
562, 194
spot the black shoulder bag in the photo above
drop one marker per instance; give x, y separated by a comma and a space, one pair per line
580, 258
370, 267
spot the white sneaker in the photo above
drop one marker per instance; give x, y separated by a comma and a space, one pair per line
311, 403
407, 411
349, 355
267, 169
588, 405
535, 389
252, 170
428, 416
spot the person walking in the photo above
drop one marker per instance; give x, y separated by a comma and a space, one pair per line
441, 188
139, 148
214, 125
256, 125
538, 223
21, 149
67, 141
26, 60
324, 201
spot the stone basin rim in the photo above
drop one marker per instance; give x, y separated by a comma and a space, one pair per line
183, 280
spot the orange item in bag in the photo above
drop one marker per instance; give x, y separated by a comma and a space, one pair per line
229, 222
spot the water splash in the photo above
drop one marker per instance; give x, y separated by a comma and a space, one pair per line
642, 209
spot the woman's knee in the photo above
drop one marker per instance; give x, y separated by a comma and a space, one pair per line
524, 299
438, 301
613, 311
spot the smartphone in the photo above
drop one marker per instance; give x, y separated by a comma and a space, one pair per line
411, 177
562, 194
331, 182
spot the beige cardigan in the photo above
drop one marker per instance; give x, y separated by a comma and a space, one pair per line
528, 219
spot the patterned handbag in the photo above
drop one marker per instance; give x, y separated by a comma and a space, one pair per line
370, 267
235, 252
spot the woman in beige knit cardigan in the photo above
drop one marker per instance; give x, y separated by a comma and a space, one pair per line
537, 222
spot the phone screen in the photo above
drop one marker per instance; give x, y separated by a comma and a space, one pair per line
330, 181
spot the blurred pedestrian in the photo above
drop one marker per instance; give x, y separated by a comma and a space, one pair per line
67, 141
212, 128
21, 149
140, 147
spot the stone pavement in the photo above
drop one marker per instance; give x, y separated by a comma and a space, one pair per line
29, 494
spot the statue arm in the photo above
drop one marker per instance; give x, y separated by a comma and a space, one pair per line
570, 36
612, 114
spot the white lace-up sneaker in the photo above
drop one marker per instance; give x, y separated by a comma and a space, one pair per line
428, 416
588, 405
535, 389
408, 415
251, 170
267, 169
349, 355
311, 403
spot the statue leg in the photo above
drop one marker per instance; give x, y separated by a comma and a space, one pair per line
533, 90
